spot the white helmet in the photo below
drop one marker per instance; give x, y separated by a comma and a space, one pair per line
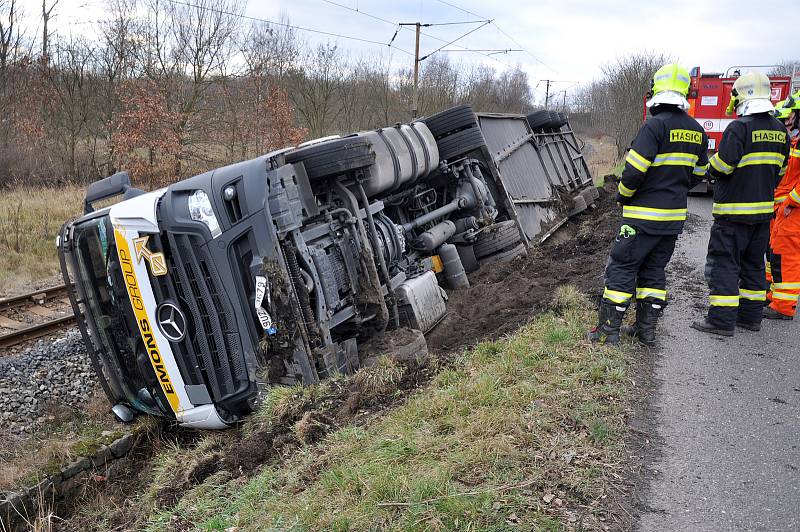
751, 94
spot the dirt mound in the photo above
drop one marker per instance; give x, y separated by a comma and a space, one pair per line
504, 296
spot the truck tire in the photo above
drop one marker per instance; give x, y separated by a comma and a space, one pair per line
460, 143
451, 121
334, 157
556, 121
538, 120
505, 256
496, 238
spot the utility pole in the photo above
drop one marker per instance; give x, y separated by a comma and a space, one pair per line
547, 93
417, 59
416, 74
547, 90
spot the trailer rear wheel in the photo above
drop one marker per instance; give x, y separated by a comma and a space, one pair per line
538, 120
556, 120
334, 157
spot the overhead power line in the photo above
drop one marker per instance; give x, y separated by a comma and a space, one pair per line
285, 25
405, 27
512, 39
473, 30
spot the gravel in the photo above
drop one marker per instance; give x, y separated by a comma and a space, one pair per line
51, 373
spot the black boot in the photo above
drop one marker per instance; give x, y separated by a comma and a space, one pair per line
644, 329
609, 323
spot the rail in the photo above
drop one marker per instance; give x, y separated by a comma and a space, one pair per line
22, 332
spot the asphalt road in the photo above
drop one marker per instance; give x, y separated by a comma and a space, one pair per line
727, 413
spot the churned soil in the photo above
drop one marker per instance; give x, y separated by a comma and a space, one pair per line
506, 295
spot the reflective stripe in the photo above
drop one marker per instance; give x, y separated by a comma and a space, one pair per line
723, 301
682, 78
784, 296
637, 161
700, 170
761, 157
769, 270
625, 191
720, 165
675, 159
787, 286
648, 213
753, 295
642, 293
782, 172
763, 207
794, 152
795, 196
616, 297
780, 199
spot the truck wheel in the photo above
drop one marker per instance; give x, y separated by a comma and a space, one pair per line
505, 256
556, 120
496, 238
450, 121
460, 143
538, 120
334, 157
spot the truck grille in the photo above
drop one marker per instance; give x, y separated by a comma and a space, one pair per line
211, 353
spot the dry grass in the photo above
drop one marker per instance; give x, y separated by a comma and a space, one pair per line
30, 218
523, 433
68, 435
601, 157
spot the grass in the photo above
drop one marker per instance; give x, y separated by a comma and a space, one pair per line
523, 433
30, 219
68, 435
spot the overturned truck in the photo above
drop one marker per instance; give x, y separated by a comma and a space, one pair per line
282, 269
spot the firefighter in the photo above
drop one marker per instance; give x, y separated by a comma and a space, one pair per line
783, 275
748, 165
782, 113
666, 159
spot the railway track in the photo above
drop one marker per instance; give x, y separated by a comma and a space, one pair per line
34, 315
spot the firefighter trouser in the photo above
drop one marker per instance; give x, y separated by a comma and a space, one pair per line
735, 273
784, 262
636, 267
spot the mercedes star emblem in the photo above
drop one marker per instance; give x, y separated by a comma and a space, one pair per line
172, 322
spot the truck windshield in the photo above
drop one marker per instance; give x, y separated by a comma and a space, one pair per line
111, 312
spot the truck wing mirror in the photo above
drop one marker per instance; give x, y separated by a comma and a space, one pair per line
113, 185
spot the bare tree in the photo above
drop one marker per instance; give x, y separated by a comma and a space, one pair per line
71, 86
315, 86
784, 68
47, 13
627, 80
186, 50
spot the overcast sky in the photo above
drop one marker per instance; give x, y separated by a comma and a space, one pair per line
566, 40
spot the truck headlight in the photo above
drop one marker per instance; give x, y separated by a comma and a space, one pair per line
200, 210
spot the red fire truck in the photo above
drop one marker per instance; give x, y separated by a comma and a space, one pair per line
710, 93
